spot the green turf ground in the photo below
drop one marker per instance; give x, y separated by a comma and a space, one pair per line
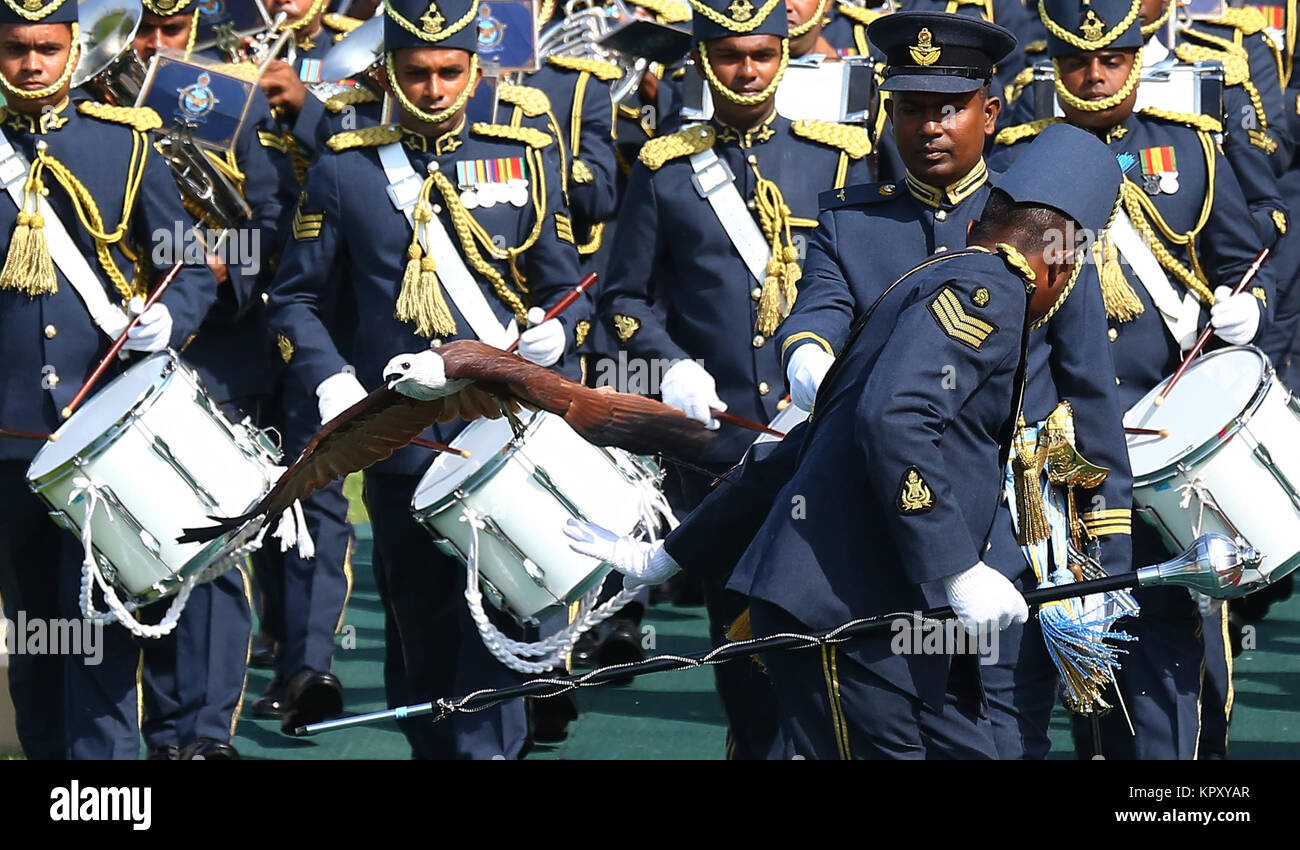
677, 715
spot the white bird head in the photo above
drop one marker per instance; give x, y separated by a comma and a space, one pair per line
421, 375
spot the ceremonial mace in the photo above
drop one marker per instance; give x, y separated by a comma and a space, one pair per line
1212, 565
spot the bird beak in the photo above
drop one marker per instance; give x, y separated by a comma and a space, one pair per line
392, 379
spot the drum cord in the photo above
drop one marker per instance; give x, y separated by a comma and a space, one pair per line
513, 653
119, 611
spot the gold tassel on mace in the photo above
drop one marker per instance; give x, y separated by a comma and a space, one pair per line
1027, 465
1122, 303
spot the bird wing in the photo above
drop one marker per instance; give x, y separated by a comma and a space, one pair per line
386, 420
602, 417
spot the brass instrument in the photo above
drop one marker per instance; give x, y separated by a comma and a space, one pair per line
578, 34
110, 69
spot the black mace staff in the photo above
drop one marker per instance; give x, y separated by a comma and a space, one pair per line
1213, 565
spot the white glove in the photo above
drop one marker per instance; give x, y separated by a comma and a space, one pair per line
337, 393
1235, 317
542, 343
153, 331
808, 366
983, 598
640, 562
689, 388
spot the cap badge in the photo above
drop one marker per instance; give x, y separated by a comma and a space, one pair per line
923, 52
432, 19
741, 10
1092, 26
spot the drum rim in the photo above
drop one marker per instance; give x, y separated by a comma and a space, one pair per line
476, 478
1197, 454
104, 441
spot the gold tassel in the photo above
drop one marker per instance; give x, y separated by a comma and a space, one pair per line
29, 268
420, 299
790, 282
1027, 464
740, 628
1122, 303
769, 299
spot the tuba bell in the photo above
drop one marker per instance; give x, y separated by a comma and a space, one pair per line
578, 34
110, 69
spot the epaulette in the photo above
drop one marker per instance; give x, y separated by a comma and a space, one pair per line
1248, 19
598, 68
351, 97
532, 101
862, 193
857, 14
367, 137
528, 135
687, 142
853, 140
342, 23
1235, 60
669, 11
140, 118
1203, 123
1020, 132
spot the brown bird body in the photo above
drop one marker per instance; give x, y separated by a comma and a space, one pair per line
481, 382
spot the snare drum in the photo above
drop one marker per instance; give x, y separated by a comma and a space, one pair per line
1230, 464
160, 457
523, 489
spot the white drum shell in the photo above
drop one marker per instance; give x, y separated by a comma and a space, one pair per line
166, 459
1251, 469
526, 489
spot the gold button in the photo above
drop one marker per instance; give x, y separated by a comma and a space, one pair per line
751, 159
941, 216
752, 204
1113, 334
52, 380
759, 340
51, 332
1117, 382
763, 388
756, 293
435, 343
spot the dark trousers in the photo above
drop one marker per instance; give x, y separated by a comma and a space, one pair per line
304, 598
835, 708
34, 556
1021, 688
1216, 684
753, 716
1160, 677
432, 648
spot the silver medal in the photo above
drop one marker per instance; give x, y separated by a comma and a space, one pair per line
469, 199
1169, 182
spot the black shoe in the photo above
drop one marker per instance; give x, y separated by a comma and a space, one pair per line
622, 645
273, 702
313, 696
551, 716
584, 651
209, 749
163, 752
263, 654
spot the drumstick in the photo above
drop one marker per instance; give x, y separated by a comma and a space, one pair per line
1201, 340
27, 435
561, 305
1150, 432
783, 403
439, 447
733, 419
121, 340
